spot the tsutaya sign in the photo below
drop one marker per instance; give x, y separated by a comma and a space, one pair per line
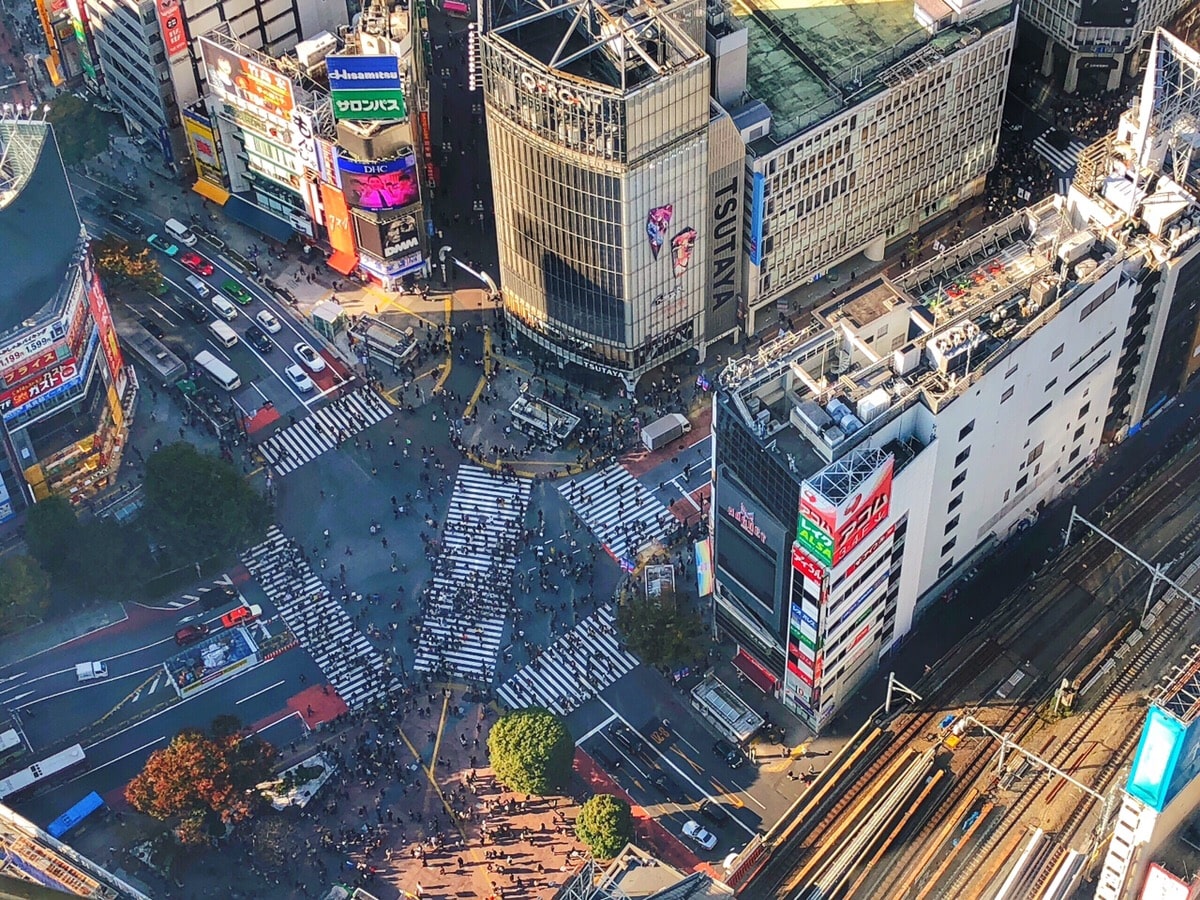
829, 531
540, 84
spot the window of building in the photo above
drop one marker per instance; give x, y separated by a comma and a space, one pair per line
1008, 392
1058, 351
966, 429
945, 568
1022, 481
962, 457
1083, 409
1079, 432
1074, 454
1012, 371
1035, 453
949, 545
955, 503
1041, 412
951, 525
1051, 383
958, 480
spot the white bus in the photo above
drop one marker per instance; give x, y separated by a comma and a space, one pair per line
50, 768
218, 371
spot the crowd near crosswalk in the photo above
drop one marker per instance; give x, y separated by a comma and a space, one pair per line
1063, 160
354, 668
572, 670
323, 429
619, 511
469, 596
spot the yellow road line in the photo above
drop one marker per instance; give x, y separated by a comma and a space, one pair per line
433, 783
483, 379
389, 300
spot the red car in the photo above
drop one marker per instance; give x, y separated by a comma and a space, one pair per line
196, 263
189, 634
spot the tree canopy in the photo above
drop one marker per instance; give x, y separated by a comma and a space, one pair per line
659, 630
81, 129
198, 504
121, 261
604, 825
531, 750
202, 780
24, 590
78, 555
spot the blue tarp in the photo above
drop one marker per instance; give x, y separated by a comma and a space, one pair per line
75, 815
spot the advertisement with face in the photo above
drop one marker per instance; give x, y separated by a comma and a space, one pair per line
379, 185
245, 84
388, 240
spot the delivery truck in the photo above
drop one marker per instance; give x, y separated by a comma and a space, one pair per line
90, 671
662, 431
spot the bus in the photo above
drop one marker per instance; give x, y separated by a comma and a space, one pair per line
218, 371
53, 767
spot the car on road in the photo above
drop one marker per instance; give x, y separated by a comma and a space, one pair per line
224, 308
696, 832
309, 357
732, 755
666, 786
196, 311
257, 339
240, 615
603, 754
197, 263
235, 292
219, 596
151, 326
189, 634
162, 244
126, 221
714, 812
267, 320
299, 379
626, 737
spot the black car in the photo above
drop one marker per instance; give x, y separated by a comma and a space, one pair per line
626, 737
219, 596
126, 221
151, 326
732, 755
668, 788
257, 338
605, 756
196, 311
714, 812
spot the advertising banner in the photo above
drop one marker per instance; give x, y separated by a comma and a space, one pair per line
388, 240
303, 140
45, 360
832, 530
327, 163
108, 334
203, 144
815, 541
33, 344
170, 19
337, 220
15, 398
757, 204
368, 105
245, 84
806, 565
390, 184
363, 73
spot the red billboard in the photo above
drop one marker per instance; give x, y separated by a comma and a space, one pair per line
806, 565
108, 334
46, 382
848, 522
31, 366
170, 19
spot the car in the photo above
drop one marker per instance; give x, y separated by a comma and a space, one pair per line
219, 596
603, 754
197, 263
189, 634
732, 755
714, 812
626, 737
151, 326
196, 311
664, 784
162, 244
126, 221
235, 292
241, 614
309, 357
299, 378
258, 340
267, 320
698, 833
224, 308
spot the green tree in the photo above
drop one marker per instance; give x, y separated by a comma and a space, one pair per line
659, 630
199, 505
81, 129
122, 263
78, 556
531, 750
604, 825
24, 587
52, 533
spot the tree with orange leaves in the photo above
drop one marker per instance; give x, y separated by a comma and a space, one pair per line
202, 779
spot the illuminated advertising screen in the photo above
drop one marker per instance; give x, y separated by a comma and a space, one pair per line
108, 333
757, 204
829, 531
388, 240
390, 184
244, 84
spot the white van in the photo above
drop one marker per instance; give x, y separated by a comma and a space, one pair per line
218, 371
225, 335
202, 290
225, 309
180, 232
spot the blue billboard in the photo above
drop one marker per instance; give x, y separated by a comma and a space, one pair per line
757, 202
1166, 760
363, 73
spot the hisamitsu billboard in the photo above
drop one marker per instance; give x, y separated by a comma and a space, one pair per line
364, 73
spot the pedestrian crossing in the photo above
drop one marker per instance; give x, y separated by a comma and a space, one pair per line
325, 428
468, 598
1062, 160
1062, 185
619, 511
575, 668
351, 664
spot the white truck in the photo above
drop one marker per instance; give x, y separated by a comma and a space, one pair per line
90, 671
662, 431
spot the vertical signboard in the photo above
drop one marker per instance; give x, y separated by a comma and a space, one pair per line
337, 220
366, 87
108, 333
757, 202
174, 32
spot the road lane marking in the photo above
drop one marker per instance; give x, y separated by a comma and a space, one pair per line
284, 719
102, 765
597, 729
263, 691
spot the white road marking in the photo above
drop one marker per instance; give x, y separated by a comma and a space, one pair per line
595, 730
119, 758
256, 693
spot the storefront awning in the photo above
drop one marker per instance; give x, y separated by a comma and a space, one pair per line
343, 262
210, 191
260, 220
750, 667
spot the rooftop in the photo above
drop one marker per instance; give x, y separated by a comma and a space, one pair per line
810, 59
39, 225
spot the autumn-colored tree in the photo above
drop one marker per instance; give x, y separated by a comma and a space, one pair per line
118, 259
203, 780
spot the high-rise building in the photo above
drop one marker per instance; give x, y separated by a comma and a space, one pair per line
862, 465
150, 61
65, 394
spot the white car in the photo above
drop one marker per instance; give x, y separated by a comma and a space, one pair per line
299, 378
309, 357
268, 322
706, 839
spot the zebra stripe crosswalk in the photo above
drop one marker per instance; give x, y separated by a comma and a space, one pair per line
572, 670
1062, 160
326, 427
468, 599
352, 665
619, 511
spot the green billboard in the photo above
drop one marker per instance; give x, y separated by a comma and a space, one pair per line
815, 540
363, 105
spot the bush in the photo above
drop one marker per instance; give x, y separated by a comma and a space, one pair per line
604, 825
531, 751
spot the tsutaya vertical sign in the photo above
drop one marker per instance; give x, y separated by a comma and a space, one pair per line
829, 530
726, 229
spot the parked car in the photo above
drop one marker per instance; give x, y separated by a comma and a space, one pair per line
267, 320
626, 737
714, 812
309, 357
696, 832
162, 244
258, 340
235, 292
189, 634
732, 755
197, 263
126, 221
219, 596
299, 378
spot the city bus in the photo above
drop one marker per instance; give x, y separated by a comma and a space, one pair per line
50, 769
